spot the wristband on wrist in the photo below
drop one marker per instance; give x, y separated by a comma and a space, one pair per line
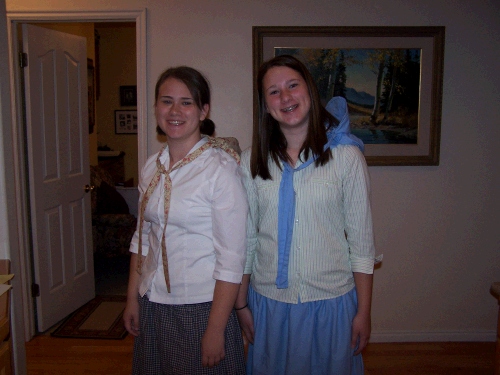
241, 308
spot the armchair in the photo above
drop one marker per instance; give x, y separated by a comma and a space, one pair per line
112, 224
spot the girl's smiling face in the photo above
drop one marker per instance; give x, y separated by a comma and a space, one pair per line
287, 97
176, 112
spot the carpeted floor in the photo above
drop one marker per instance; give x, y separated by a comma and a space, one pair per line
101, 318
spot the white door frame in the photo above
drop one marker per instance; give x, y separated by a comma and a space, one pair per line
22, 257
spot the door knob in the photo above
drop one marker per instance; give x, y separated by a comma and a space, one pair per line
88, 188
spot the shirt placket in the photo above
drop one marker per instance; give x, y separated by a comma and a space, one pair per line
298, 256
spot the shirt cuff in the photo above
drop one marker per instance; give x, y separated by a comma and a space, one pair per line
229, 277
134, 248
362, 265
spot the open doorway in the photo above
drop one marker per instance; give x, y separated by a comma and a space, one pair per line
115, 207
26, 317
111, 67
112, 104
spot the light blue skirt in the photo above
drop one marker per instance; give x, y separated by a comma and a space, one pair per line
312, 338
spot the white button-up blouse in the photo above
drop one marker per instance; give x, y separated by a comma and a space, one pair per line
205, 232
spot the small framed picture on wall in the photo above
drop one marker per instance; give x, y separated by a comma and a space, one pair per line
125, 122
128, 96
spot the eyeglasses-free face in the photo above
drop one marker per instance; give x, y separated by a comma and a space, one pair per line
287, 98
177, 113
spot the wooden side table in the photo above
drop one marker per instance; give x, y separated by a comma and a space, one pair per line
495, 290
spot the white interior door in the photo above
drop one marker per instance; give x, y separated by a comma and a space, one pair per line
55, 81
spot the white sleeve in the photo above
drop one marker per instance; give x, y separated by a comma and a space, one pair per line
229, 215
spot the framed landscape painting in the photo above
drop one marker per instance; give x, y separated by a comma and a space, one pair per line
391, 78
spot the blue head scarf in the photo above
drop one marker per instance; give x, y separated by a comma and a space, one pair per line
340, 135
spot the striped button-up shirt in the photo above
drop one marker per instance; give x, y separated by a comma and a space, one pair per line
332, 234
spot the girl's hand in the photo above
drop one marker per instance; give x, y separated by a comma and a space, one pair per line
246, 323
131, 317
361, 328
212, 348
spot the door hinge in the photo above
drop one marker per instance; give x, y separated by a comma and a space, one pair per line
23, 60
35, 290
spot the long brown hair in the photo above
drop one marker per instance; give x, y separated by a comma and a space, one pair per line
269, 140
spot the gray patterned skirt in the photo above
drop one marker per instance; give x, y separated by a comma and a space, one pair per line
170, 341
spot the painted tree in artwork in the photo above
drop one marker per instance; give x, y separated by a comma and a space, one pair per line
339, 85
321, 63
377, 59
392, 86
410, 81
401, 83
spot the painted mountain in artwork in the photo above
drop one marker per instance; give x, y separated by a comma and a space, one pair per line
361, 98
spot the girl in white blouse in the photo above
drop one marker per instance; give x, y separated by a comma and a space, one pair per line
189, 248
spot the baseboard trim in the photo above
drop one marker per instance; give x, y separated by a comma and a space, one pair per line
433, 336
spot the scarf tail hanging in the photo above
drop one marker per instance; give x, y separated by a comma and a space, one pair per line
286, 209
212, 142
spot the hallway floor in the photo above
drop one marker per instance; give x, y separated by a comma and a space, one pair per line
111, 275
49, 355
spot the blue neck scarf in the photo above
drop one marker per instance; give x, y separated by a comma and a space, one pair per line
340, 135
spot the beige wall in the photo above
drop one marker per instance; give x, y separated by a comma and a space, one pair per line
117, 56
436, 226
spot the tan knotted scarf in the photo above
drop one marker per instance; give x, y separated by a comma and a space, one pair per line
160, 169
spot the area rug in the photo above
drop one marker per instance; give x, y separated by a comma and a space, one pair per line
101, 318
